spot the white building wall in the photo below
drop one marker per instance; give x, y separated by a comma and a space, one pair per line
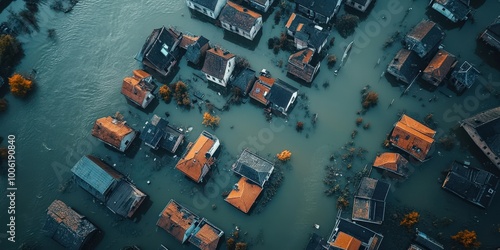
127, 140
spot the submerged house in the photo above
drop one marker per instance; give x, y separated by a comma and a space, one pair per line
320, 11
369, 201
67, 227
424, 38
306, 33
159, 134
484, 130
360, 5
405, 66
161, 52
240, 20
472, 184
138, 88
260, 5
463, 78
244, 81
439, 67
108, 186
184, 225
114, 131
199, 157
253, 167
303, 65
210, 8
425, 242
261, 89
490, 36
282, 96
218, 66
196, 49
412, 137
454, 10
244, 194
392, 162
347, 235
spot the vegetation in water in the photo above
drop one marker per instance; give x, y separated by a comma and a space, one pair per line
285, 155
467, 239
19, 85
410, 219
346, 24
181, 95
210, 120
370, 99
3, 104
165, 93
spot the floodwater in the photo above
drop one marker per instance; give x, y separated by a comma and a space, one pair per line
79, 77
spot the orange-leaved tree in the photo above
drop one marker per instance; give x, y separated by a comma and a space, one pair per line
210, 120
165, 93
19, 85
285, 155
410, 219
467, 238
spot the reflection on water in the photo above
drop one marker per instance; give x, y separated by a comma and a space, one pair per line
79, 77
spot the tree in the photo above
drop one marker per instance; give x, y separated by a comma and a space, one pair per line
210, 120
10, 53
467, 238
410, 219
165, 93
19, 85
332, 59
285, 155
346, 24
370, 99
3, 104
180, 94
241, 246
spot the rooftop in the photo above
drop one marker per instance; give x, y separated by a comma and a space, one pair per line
209, 4
216, 61
426, 241
405, 63
439, 67
137, 88
261, 89
111, 130
177, 220
196, 50
301, 64
323, 7
159, 51
239, 16
472, 184
199, 157
459, 8
125, 199
244, 80
206, 236
253, 167
369, 201
281, 94
370, 240
491, 35
466, 74
424, 37
412, 137
307, 31
244, 194
158, 133
67, 227
346, 242
392, 162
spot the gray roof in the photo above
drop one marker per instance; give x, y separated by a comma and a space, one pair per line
209, 4
67, 227
466, 74
364, 234
405, 63
459, 8
369, 201
424, 37
244, 80
216, 62
241, 19
125, 199
194, 51
428, 242
96, 174
159, 50
281, 93
253, 167
158, 133
309, 32
323, 7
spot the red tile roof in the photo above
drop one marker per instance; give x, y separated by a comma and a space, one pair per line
439, 66
176, 220
346, 242
412, 137
244, 196
111, 131
195, 159
134, 89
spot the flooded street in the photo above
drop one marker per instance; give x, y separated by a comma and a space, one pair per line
79, 76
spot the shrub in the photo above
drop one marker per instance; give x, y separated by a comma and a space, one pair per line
342, 202
299, 127
410, 219
241, 246
210, 120
230, 244
10, 53
370, 99
180, 94
165, 93
332, 59
3, 104
467, 238
285, 155
346, 24
19, 85
359, 120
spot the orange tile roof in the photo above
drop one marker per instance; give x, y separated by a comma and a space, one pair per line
141, 74
266, 80
439, 66
244, 10
176, 220
299, 27
245, 196
304, 56
290, 20
387, 160
361, 209
346, 242
188, 40
258, 91
133, 90
209, 237
111, 130
193, 162
412, 137
222, 53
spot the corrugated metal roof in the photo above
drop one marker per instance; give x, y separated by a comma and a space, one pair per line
89, 171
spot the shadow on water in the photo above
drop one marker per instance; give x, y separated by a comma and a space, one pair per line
489, 55
442, 21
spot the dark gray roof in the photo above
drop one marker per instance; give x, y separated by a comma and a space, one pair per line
244, 80
209, 4
67, 227
424, 37
364, 234
459, 8
216, 62
373, 189
406, 63
125, 199
360, 2
158, 133
316, 242
159, 49
281, 93
369, 201
465, 74
323, 7
313, 35
472, 184
193, 51
253, 167
98, 178
237, 18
